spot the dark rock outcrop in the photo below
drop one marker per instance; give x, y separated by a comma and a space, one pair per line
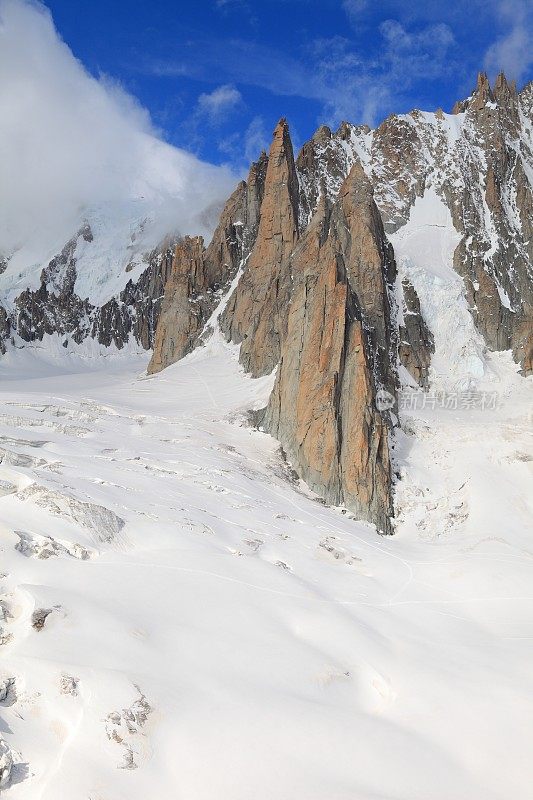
5, 329
495, 256
415, 339
138, 304
55, 307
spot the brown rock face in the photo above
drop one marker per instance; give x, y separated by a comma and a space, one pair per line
180, 318
334, 358
318, 306
256, 314
198, 276
399, 174
195, 278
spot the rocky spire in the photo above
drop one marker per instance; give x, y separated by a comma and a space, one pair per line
198, 275
503, 91
482, 93
179, 320
322, 408
254, 198
256, 312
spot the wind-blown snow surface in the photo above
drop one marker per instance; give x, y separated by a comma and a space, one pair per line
182, 620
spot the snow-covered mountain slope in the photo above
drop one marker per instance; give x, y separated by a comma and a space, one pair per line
89, 195
171, 193
103, 277
182, 618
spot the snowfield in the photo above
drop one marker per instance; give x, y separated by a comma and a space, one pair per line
182, 619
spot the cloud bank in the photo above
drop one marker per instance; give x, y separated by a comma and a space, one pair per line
217, 104
69, 142
512, 52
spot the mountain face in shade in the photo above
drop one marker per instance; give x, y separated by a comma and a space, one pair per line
328, 270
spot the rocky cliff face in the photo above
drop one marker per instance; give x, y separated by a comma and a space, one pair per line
199, 276
319, 298
478, 160
256, 314
310, 286
336, 354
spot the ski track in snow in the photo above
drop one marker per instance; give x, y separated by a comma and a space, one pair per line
212, 631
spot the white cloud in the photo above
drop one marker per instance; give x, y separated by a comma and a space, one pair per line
422, 54
69, 141
356, 88
217, 104
513, 51
430, 40
353, 8
255, 139
244, 148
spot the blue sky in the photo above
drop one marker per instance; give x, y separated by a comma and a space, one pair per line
216, 75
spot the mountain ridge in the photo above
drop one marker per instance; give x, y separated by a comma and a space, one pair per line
475, 165
344, 201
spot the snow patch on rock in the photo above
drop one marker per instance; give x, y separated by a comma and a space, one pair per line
424, 249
